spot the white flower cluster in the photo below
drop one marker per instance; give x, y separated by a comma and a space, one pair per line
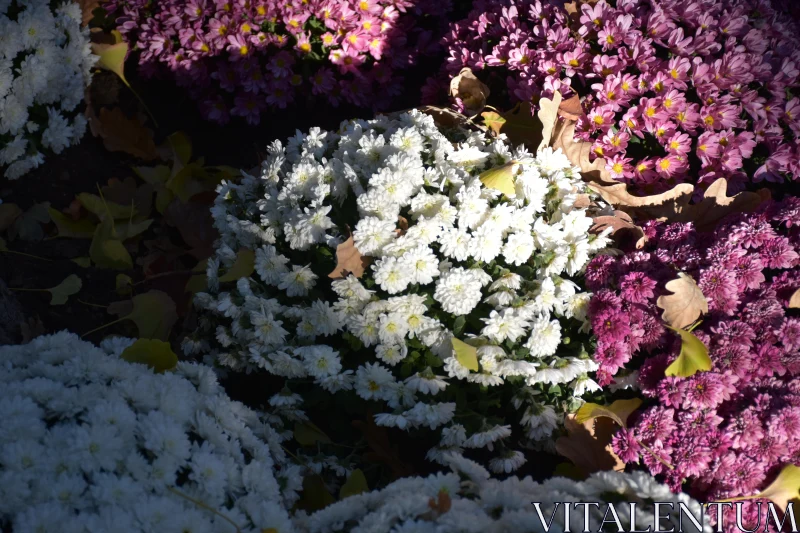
450, 258
45, 63
443, 503
92, 443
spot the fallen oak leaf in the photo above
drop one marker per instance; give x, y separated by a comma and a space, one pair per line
716, 205
588, 445
121, 134
794, 301
548, 115
470, 90
522, 126
571, 108
349, 260
685, 305
622, 229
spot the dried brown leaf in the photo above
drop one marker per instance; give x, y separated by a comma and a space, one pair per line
570, 108
470, 90
582, 201
445, 117
716, 205
349, 260
794, 301
548, 115
686, 303
87, 6
588, 445
121, 134
8, 214
623, 230
522, 126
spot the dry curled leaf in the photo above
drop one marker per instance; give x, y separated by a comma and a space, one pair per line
623, 230
521, 126
571, 108
87, 8
686, 303
445, 117
122, 134
548, 115
588, 445
8, 214
794, 301
470, 90
579, 152
349, 260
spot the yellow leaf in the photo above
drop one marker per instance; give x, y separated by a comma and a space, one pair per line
77, 229
180, 147
242, 267
501, 178
153, 313
61, 292
356, 484
684, 306
153, 175
198, 282
785, 487
692, 358
618, 411
156, 354
308, 434
112, 58
107, 251
95, 205
465, 354
493, 121
123, 284
84, 262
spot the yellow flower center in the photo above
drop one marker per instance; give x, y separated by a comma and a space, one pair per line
664, 164
617, 168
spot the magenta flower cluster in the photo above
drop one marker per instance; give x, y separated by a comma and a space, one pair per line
725, 431
243, 57
674, 91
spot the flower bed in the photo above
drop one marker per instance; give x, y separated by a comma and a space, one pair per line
725, 430
246, 58
674, 92
45, 64
444, 503
450, 265
90, 442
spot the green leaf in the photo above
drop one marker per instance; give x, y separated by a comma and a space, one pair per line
618, 411
153, 313
107, 251
199, 282
243, 266
156, 354
28, 225
692, 358
95, 205
188, 181
129, 230
181, 147
76, 229
458, 325
356, 484
501, 178
465, 354
315, 494
112, 58
308, 434
61, 292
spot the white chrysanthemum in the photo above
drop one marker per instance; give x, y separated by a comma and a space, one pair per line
435, 258
90, 442
51, 70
